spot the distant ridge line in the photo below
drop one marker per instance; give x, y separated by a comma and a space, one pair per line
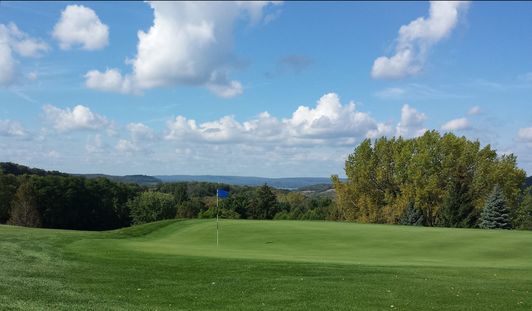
282, 182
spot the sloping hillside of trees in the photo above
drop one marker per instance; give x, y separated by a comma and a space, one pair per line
17, 170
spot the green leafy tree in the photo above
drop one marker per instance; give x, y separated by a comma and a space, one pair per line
239, 202
181, 193
190, 209
448, 178
152, 206
523, 217
495, 214
24, 211
282, 215
458, 210
264, 205
411, 216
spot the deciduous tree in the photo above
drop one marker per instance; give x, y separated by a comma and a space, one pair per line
24, 211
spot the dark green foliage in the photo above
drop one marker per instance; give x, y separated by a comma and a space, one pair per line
17, 169
97, 203
70, 202
411, 216
495, 214
8, 188
204, 189
152, 206
282, 215
239, 203
194, 189
181, 193
523, 217
190, 209
222, 213
458, 210
80, 203
305, 205
251, 202
264, 205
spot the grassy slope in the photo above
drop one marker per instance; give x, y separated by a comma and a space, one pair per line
265, 265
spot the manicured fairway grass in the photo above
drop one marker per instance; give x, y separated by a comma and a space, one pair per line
265, 265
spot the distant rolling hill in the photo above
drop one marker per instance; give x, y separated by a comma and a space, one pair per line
143, 180
17, 169
284, 183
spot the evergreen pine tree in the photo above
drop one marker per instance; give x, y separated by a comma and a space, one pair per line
412, 216
495, 214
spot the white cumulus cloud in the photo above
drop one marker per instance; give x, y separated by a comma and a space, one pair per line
78, 118
330, 118
111, 81
411, 124
14, 41
189, 43
416, 38
329, 121
456, 125
80, 26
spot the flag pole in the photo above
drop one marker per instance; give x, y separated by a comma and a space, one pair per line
217, 208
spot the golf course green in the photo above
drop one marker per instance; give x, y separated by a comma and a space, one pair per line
265, 265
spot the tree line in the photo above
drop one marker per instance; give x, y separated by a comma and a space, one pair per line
198, 200
65, 202
433, 180
38, 198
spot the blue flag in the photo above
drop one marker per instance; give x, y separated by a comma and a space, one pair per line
222, 193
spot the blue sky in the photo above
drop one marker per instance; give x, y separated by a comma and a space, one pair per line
260, 89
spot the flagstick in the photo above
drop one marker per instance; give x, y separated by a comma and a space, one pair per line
217, 208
